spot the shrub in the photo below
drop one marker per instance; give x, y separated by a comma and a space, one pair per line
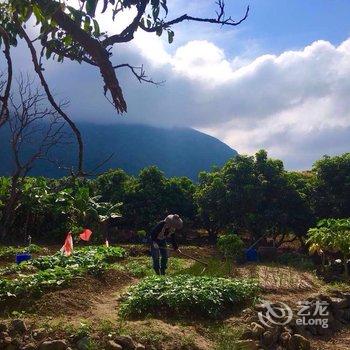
141, 234
296, 260
230, 245
331, 235
187, 295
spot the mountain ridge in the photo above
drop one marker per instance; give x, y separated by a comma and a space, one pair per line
177, 151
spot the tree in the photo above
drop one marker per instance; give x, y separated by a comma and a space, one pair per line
31, 123
253, 195
179, 193
113, 185
331, 198
210, 197
144, 201
73, 31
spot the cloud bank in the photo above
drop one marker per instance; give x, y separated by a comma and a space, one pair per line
295, 104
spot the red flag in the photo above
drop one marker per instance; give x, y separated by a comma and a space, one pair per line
85, 235
67, 248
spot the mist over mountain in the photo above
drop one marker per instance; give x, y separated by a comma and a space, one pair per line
176, 151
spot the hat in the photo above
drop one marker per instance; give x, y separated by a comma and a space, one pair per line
174, 221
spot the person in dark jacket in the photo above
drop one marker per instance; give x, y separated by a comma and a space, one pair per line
163, 231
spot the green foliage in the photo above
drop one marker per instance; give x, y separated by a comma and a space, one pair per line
249, 194
332, 235
225, 336
10, 252
50, 208
296, 260
55, 40
331, 197
230, 245
187, 295
141, 234
87, 257
38, 282
56, 270
252, 194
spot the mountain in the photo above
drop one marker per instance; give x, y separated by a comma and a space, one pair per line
176, 151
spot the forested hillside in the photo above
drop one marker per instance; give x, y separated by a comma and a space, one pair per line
176, 151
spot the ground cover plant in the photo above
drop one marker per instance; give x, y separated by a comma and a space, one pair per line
56, 270
188, 295
10, 251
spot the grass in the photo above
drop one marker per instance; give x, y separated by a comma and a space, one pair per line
225, 336
336, 287
141, 267
186, 295
215, 268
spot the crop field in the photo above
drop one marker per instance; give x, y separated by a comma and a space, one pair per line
100, 297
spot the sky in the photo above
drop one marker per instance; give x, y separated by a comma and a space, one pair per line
279, 81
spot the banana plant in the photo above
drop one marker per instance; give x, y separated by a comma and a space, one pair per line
103, 211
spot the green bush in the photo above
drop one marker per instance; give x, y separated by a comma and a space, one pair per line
296, 260
141, 234
187, 295
230, 245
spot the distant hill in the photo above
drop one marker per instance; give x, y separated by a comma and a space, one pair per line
176, 151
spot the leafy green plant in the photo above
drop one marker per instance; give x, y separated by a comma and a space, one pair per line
37, 283
141, 235
332, 234
187, 295
84, 257
230, 245
52, 270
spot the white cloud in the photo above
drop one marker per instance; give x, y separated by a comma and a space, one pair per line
295, 104
279, 102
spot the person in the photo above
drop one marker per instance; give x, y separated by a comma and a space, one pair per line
162, 232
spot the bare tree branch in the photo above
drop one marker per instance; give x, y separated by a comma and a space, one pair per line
220, 19
139, 73
128, 33
51, 99
4, 113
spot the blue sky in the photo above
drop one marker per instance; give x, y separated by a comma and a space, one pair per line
279, 81
279, 25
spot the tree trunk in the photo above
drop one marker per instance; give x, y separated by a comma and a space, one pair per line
213, 236
346, 268
9, 211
